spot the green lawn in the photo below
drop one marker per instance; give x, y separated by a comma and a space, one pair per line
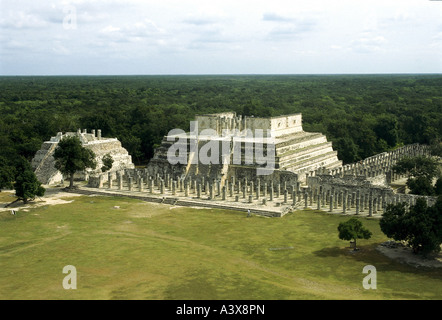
150, 251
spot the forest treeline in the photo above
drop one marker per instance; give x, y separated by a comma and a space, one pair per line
361, 114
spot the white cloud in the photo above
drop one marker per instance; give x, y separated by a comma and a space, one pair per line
21, 20
368, 43
235, 36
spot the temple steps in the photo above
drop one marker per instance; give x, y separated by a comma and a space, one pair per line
321, 160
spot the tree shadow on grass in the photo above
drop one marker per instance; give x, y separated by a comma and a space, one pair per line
331, 252
369, 255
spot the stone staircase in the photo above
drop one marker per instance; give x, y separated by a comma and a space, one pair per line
43, 163
305, 152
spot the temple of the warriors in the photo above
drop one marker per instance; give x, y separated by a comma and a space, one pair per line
43, 161
295, 152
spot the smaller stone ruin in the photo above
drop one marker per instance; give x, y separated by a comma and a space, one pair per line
43, 161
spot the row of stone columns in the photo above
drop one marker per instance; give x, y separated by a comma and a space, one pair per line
249, 190
376, 165
331, 198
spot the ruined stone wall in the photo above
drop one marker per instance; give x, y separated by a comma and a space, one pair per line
43, 161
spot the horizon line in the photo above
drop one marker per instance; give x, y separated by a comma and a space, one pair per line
219, 74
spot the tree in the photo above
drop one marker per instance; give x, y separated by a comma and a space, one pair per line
27, 187
420, 226
386, 129
438, 187
421, 170
421, 186
420, 166
352, 230
70, 156
107, 162
6, 174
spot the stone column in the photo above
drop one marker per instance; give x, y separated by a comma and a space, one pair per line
323, 199
264, 191
120, 181
109, 179
318, 203
166, 181
198, 191
370, 205
174, 183
100, 181
358, 200
224, 193
305, 199
340, 195
130, 183
250, 198
294, 198
331, 203
211, 191
141, 186
161, 186
345, 200
285, 195
271, 192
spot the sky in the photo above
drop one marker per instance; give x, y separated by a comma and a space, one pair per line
115, 37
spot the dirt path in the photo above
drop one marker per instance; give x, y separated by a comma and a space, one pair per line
405, 255
52, 196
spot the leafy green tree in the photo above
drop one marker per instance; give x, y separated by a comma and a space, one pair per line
27, 186
347, 150
386, 129
70, 156
107, 162
420, 166
438, 187
6, 174
421, 186
436, 149
420, 170
352, 230
420, 226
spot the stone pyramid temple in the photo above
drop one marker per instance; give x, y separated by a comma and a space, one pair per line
296, 153
43, 161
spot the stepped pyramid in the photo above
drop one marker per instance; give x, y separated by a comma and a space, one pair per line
295, 151
43, 161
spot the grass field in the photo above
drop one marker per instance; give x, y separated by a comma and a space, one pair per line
150, 251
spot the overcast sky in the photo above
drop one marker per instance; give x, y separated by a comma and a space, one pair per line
219, 37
